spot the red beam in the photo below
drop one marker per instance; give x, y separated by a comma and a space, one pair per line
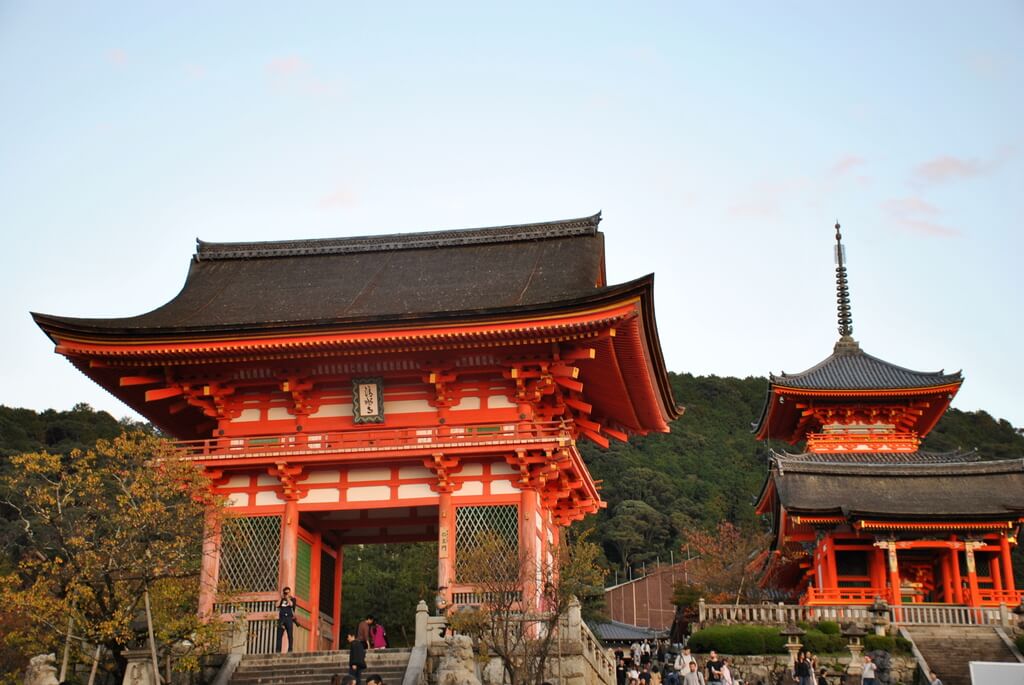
162, 394
139, 380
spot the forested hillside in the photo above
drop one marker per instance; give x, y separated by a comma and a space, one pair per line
710, 468
707, 469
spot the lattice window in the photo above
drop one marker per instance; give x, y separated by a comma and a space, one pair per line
249, 553
472, 522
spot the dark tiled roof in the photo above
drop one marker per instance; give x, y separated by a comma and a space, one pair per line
849, 368
616, 631
931, 487
436, 275
876, 458
586, 226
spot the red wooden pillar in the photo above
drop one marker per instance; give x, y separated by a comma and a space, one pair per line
995, 572
528, 546
894, 576
1004, 558
972, 575
339, 563
314, 592
948, 596
289, 544
876, 566
445, 545
209, 572
831, 573
958, 583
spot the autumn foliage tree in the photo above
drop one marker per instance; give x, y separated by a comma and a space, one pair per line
97, 529
720, 562
522, 630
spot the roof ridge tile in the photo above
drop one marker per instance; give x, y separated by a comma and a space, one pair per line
399, 241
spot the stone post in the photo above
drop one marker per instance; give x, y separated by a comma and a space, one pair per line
780, 613
792, 633
238, 638
1004, 615
140, 668
422, 614
702, 613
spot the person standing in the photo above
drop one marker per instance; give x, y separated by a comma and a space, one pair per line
714, 666
726, 673
286, 619
356, 657
683, 661
378, 636
693, 676
867, 676
620, 671
802, 669
363, 630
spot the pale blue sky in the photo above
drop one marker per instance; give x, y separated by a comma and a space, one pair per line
721, 140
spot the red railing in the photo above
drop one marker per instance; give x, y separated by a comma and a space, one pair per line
997, 597
360, 440
845, 595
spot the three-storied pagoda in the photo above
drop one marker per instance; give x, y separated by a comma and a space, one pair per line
862, 512
408, 387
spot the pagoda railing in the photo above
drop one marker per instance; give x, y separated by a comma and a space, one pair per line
780, 613
903, 614
362, 440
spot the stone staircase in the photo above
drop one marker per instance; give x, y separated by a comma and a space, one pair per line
949, 649
316, 668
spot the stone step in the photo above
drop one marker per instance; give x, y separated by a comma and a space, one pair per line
392, 676
317, 668
948, 651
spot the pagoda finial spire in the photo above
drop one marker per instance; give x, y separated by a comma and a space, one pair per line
843, 296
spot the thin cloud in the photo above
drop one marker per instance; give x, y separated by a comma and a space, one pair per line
946, 168
286, 66
339, 197
845, 165
917, 216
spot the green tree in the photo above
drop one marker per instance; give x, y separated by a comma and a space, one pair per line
100, 528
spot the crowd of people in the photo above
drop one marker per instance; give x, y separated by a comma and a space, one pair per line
647, 664
656, 664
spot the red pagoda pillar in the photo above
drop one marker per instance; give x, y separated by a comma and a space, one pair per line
1004, 559
339, 564
209, 572
445, 545
958, 583
896, 597
972, 575
289, 544
528, 545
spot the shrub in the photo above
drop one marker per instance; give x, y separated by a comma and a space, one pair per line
893, 645
829, 627
738, 639
820, 642
1020, 643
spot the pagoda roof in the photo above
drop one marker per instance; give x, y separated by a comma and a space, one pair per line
410, 276
850, 368
916, 486
851, 375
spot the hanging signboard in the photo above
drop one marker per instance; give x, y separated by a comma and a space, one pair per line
368, 400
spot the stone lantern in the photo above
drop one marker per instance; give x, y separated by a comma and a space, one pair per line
854, 635
792, 633
880, 610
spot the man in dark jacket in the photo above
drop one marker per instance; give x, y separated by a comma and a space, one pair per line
286, 619
356, 657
